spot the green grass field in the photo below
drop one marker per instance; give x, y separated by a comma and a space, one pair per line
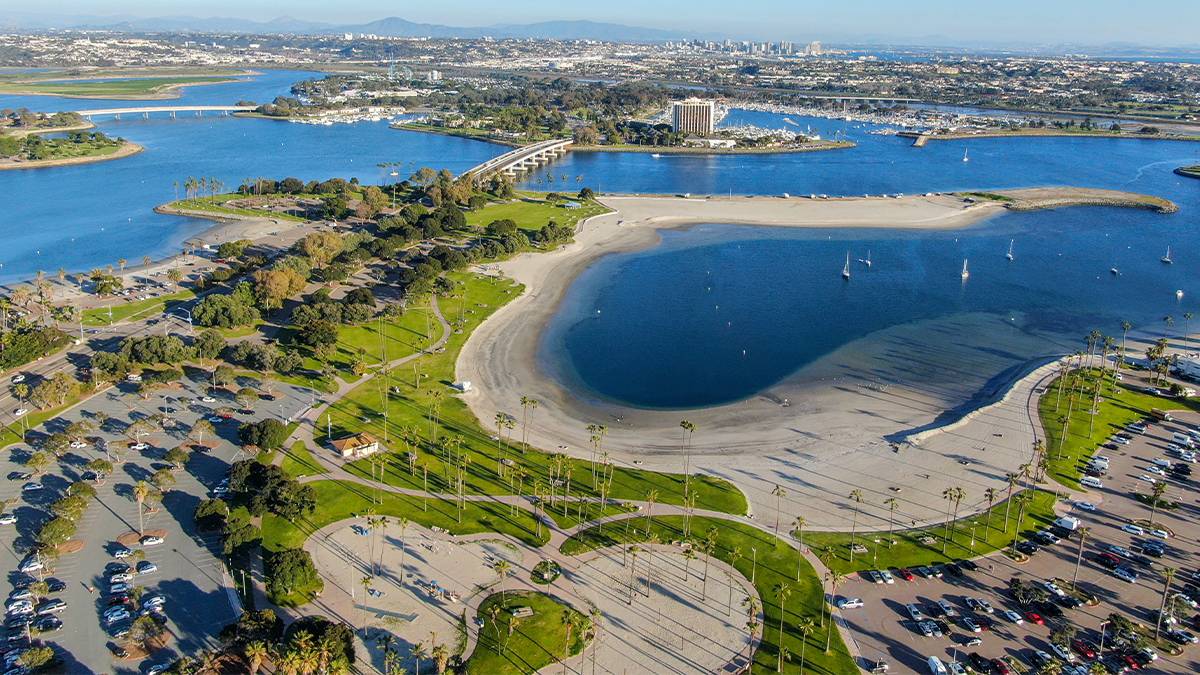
536, 641
530, 211
777, 563
410, 415
298, 461
216, 204
372, 341
138, 86
1085, 433
133, 311
339, 500
910, 551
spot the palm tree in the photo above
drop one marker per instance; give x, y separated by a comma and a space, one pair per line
836, 580
418, 653
651, 497
633, 552
709, 546
990, 495
798, 524
570, 621
1168, 322
403, 523
1012, 483
502, 568
1084, 533
140, 492
689, 554
256, 652
778, 492
734, 556
782, 592
688, 430
1156, 492
891, 503
527, 404
1187, 320
1168, 576
441, 657
804, 626
856, 497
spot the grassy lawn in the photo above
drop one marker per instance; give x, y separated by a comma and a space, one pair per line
298, 461
117, 87
1119, 406
132, 311
12, 433
216, 204
530, 211
776, 564
339, 500
536, 641
410, 416
909, 551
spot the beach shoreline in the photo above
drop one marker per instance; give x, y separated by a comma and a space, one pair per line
824, 427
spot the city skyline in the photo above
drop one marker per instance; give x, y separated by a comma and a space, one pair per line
1022, 22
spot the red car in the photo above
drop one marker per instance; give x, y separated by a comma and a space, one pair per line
1001, 667
1034, 617
1083, 649
904, 574
1131, 662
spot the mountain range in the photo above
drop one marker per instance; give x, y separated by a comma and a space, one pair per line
390, 27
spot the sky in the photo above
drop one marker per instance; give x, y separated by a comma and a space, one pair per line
1146, 22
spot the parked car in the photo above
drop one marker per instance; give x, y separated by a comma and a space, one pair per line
849, 603
1084, 649
1012, 616
151, 540
146, 567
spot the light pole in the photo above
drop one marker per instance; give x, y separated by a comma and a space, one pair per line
754, 567
973, 524
875, 556
1103, 627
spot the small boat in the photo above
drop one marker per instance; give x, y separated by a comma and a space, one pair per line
966, 157
1114, 271
1179, 295
867, 260
846, 268
965, 273
1167, 258
1009, 255
655, 155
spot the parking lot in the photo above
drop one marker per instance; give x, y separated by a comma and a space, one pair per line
884, 629
188, 572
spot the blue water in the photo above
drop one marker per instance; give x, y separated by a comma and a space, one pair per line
717, 313
667, 327
81, 217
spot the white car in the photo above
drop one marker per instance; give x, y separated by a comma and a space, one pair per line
1147, 478
77, 445
20, 411
1085, 506
120, 615
1161, 534
209, 399
1133, 529
31, 565
849, 603
8, 518
1156, 470
887, 577
18, 379
146, 567
152, 541
17, 604
1125, 575
122, 553
154, 601
215, 419
1121, 440
120, 577
139, 446
1062, 653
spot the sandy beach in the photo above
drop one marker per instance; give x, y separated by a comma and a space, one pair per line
848, 414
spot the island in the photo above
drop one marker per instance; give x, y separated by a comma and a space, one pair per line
32, 150
124, 84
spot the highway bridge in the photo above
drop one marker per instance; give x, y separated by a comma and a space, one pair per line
145, 111
515, 162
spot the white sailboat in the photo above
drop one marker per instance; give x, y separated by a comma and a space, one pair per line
867, 262
965, 273
846, 267
1009, 255
1167, 258
966, 157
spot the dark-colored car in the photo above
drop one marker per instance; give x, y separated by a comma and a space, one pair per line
1028, 547
56, 585
953, 570
978, 662
968, 565
1107, 560
905, 574
1001, 667
1083, 649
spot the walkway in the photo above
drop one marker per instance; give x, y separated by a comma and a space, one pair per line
198, 109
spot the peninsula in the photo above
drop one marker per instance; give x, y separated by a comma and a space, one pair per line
31, 151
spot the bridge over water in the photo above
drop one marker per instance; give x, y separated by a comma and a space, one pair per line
145, 111
519, 160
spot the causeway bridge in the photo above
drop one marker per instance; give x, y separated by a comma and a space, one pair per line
145, 111
519, 160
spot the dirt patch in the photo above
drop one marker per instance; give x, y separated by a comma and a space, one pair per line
132, 539
73, 546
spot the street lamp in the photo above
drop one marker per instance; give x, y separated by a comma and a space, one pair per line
973, 524
875, 557
1100, 651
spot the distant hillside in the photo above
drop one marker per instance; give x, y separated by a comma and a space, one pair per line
390, 27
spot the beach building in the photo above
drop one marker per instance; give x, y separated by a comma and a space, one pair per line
693, 116
356, 446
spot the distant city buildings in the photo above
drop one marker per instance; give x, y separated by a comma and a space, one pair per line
433, 76
693, 116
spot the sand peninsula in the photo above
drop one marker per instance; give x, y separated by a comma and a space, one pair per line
838, 423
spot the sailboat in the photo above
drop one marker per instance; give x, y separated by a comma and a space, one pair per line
867, 260
965, 273
966, 157
846, 268
1167, 258
1009, 255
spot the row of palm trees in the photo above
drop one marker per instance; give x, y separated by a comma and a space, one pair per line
196, 187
